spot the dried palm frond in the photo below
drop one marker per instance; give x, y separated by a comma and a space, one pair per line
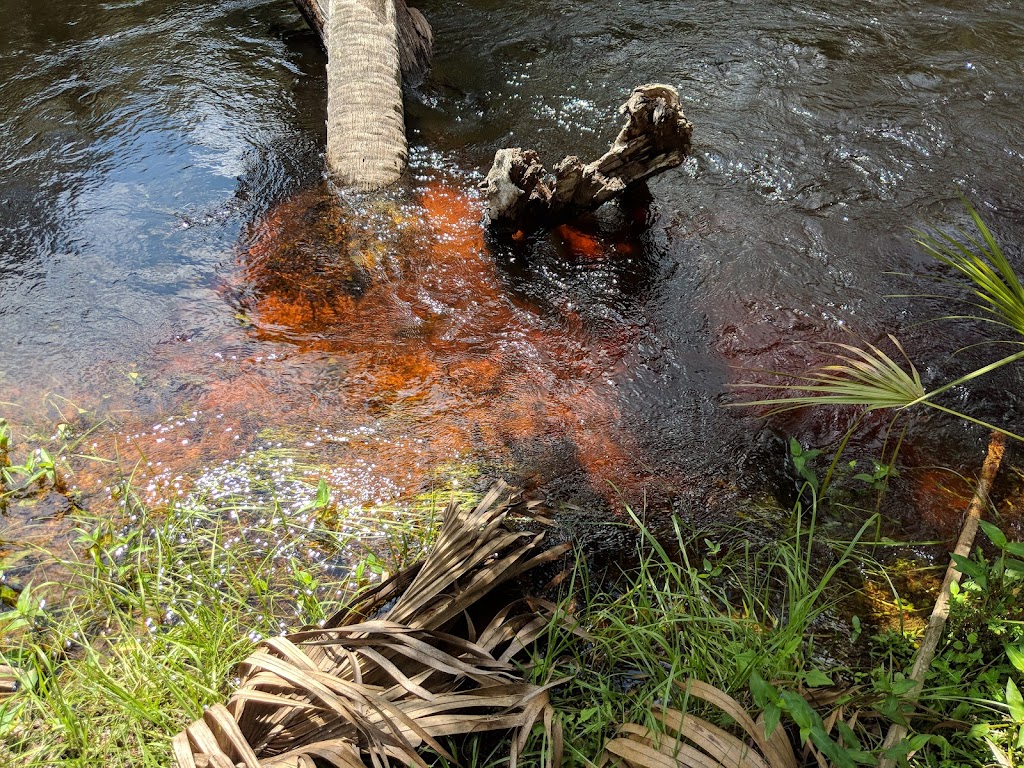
8, 679
687, 741
401, 668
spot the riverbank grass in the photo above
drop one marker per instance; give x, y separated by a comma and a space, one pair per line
144, 626
138, 633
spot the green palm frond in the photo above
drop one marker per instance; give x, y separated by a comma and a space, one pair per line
867, 377
996, 288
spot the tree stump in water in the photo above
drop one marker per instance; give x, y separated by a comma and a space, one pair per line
522, 195
371, 45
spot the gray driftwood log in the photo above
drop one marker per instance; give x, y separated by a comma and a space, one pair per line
372, 45
522, 195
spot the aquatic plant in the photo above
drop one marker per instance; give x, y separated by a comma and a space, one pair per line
868, 377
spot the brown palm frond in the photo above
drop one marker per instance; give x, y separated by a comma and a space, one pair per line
687, 741
399, 669
8, 679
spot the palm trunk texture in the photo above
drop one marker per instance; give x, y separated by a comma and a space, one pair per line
366, 144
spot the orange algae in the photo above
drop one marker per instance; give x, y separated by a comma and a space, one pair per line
428, 345
378, 348
941, 498
584, 245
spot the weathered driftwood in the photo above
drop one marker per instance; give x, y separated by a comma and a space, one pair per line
522, 195
415, 38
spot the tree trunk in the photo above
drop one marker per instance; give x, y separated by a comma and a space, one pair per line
366, 144
315, 13
521, 195
415, 38
372, 45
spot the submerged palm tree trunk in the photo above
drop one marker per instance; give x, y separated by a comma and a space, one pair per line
372, 46
366, 145
415, 37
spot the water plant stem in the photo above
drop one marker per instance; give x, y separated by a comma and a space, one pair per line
937, 620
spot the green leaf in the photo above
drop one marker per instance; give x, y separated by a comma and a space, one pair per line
846, 733
323, 494
764, 693
772, 714
8, 596
1015, 653
837, 756
800, 710
815, 678
1013, 565
979, 730
901, 687
855, 622
10, 713
1015, 548
918, 741
1015, 702
968, 567
996, 536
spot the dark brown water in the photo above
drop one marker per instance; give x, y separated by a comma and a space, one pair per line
172, 265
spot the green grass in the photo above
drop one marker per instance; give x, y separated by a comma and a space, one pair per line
147, 624
692, 607
143, 632
768, 625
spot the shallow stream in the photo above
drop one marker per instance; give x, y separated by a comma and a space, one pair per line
175, 275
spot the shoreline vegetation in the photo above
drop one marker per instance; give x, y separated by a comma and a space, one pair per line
806, 629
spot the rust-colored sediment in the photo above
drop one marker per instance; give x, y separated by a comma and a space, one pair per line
393, 334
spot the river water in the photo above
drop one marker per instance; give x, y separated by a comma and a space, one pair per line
175, 275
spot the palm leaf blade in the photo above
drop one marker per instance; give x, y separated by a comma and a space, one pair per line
379, 688
858, 376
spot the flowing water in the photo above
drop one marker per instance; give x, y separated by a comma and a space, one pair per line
175, 274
